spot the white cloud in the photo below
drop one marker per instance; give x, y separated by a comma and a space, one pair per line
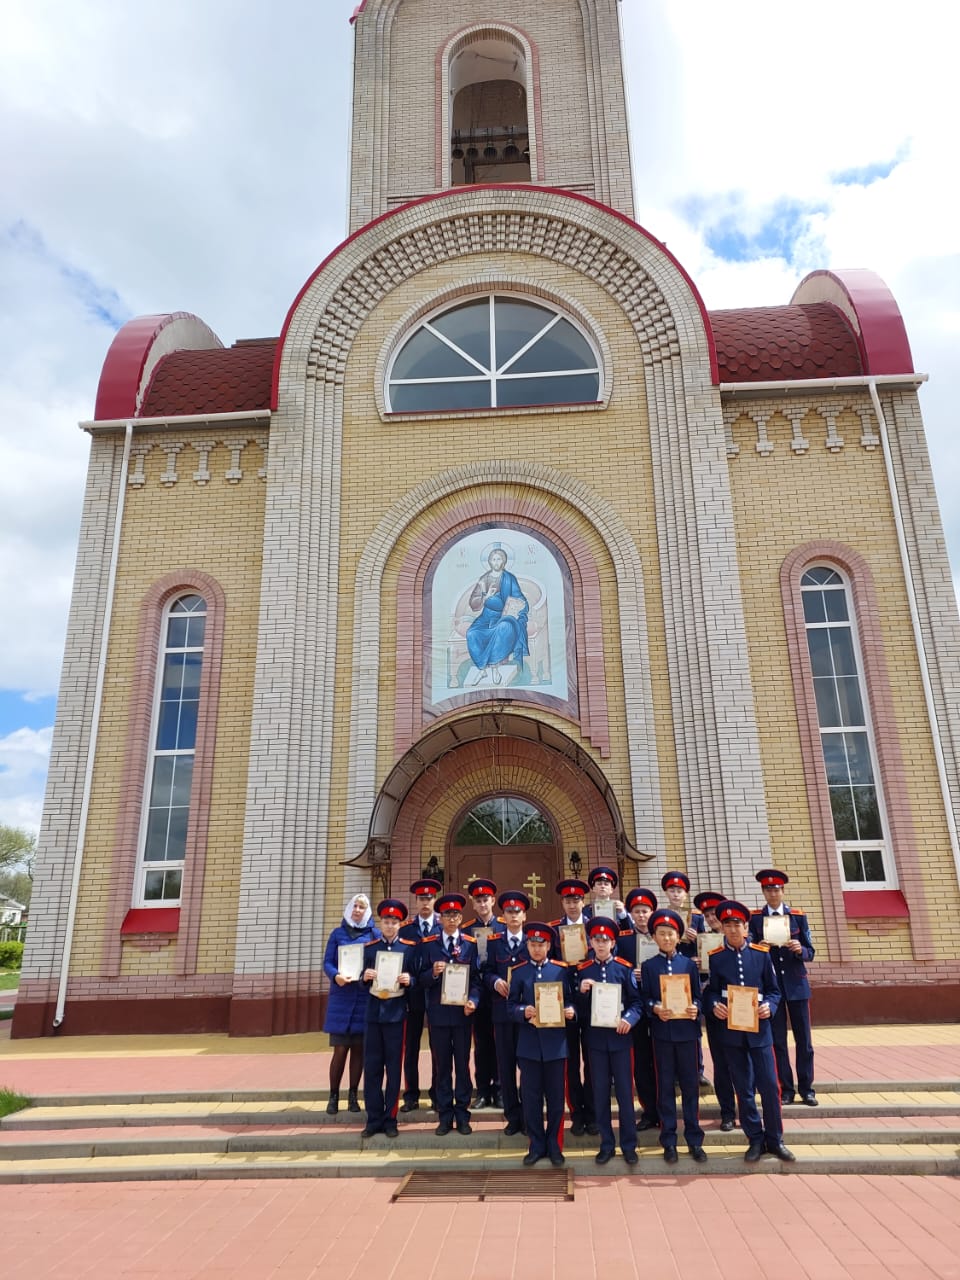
23, 766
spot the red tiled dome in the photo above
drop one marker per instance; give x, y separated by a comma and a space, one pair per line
766, 344
222, 380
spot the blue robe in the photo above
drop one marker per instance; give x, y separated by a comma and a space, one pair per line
492, 637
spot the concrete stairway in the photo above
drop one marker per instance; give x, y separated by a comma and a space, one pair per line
904, 1127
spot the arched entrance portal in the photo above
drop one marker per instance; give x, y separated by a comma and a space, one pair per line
487, 755
511, 840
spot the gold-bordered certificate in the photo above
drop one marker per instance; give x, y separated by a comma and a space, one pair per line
548, 1000
350, 960
455, 987
573, 943
675, 993
743, 1008
388, 967
776, 930
605, 1004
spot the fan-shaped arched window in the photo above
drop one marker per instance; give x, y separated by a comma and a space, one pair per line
504, 820
496, 351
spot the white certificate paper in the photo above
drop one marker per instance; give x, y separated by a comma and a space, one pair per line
743, 1008
647, 948
389, 966
707, 942
455, 987
481, 937
350, 960
605, 1004
776, 930
573, 943
548, 1001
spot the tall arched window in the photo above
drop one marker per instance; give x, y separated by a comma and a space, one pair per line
846, 733
491, 352
170, 767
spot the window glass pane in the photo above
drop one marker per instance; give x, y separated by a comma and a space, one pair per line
835, 758
188, 604
844, 819
535, 830
516, 323
153, 886
836, 603
425, 356
172, 675
196, 626
852, 867
818, 643
182, 780
425, 397
155, 849
167, 726
872, 864
858, 757
177, 835
187, 729
868, 813
162, 781
819, 574
828, 708
469, 327
841, 647
580, 389
192, 666
850, 702
814, 609
176, 632
562, 348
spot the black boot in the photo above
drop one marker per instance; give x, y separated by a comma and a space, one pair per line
334, 1104
352, 1103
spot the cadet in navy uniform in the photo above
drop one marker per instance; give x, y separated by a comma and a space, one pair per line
386, 1023
707, 902
504, 951
450, 1024
423, 924
675, 1037
640, 903
676, 885
603, 881
483, 895
609, 1047
579, 1091
790, 965
541, 1051
742, 963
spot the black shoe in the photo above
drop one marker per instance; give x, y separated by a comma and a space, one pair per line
390, 1130
352, 1103
631, 1157
512, 1129
781, 1152
370, 1133
530, 1159
497, 1099
603, 1157
670, 1155
786, 1099
412, 1105
557, 1161
698, 1154
704, 1082
593, 1129
442, 1130
464, 1127
727, 1126
333, 1105
578, 1128
809, 1099
645, 1123
754, 1151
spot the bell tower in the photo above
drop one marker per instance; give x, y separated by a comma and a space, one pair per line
451, 93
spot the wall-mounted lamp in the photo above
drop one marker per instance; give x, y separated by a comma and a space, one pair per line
433, 869
576, 864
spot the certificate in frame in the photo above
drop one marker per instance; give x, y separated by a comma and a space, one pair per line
573, 943
388, 966
605, 1004
675, 994
548, 1001
455, 985
743, 1008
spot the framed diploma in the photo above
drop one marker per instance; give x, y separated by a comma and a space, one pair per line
350, 960
776, 930
675, 993
605, 1004
707, 942
389, 966
743, 1008
455, 987
481, 937
548, 998
573, 943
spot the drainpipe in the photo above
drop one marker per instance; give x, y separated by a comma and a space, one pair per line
94, 732
917, 630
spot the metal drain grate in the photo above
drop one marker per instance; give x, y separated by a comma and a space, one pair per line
501, 1184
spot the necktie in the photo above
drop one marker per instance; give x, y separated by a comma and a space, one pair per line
513, 944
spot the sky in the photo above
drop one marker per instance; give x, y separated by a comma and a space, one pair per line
193, 156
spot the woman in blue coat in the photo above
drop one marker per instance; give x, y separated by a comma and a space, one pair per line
347, 1002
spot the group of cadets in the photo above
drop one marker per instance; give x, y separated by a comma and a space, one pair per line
530, 1058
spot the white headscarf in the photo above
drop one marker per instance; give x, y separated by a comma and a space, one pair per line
348, 912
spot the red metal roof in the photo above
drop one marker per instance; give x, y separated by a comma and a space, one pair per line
225, 380
779, 344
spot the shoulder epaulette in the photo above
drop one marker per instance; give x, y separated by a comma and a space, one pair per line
407, 942
431, 937
519, 965
562, 963
757, 911
584, 964
795, 911
760, 946
554, 923
716, 950
620, 960
625, 933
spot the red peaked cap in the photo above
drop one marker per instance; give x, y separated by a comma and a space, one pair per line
664, 915
392, 907
480, 887
733, 910
602, 926
537, 929
771, 875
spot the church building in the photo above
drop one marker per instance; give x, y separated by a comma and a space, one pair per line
505, 558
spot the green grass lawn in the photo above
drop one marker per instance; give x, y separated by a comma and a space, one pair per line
9, 979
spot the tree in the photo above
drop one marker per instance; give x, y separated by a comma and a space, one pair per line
17, 848
16, 885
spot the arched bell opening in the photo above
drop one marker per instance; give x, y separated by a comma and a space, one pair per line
489, 111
